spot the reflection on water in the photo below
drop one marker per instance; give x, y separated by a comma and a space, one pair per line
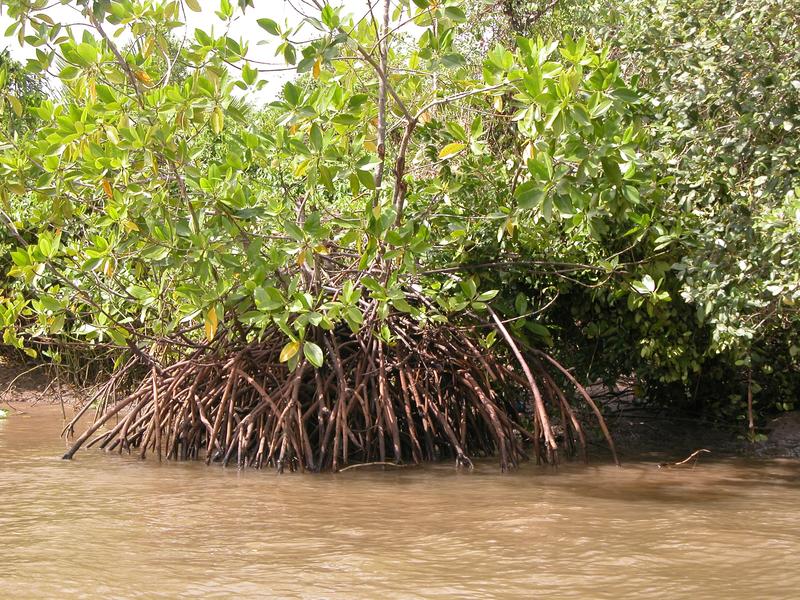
113, 526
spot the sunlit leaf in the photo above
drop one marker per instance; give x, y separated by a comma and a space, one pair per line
451, 150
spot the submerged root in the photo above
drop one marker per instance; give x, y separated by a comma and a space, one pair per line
430, 395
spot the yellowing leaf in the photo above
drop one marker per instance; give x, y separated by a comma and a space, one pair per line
498, 103
317, 67
425, 117
451, 150
143, 77
108, 268
527, 153
194, 5
16, 106
111, 134
289, 350
108, 189
211, 324
370, 145
321, 249
15, 187
301, 168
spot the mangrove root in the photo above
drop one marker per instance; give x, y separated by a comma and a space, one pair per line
430, 394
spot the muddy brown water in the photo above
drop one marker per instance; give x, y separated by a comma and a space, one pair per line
110, 526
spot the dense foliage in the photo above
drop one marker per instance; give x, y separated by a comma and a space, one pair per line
720, 85
724, 82
125, 216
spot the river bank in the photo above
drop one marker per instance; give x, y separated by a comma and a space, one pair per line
24, 385
643, 431
638, 431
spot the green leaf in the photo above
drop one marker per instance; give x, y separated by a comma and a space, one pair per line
631, 194
315, 137
291, 93
403, 305
366, 179
249, 74
645, 287
269, 26
541, 166
564, 206
217, 120
612, 170
355, 315
456, 130
268, 299
453, 60
20, 258
529, 195
45, 245
468, 287
50, 303
537, 329
501, 58
69, 72
486, 296
329, 16
346, 119
294, 231
625, 95
455, 14
87, 52
313, 353
289, 54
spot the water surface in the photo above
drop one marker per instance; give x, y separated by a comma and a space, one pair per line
112, 526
